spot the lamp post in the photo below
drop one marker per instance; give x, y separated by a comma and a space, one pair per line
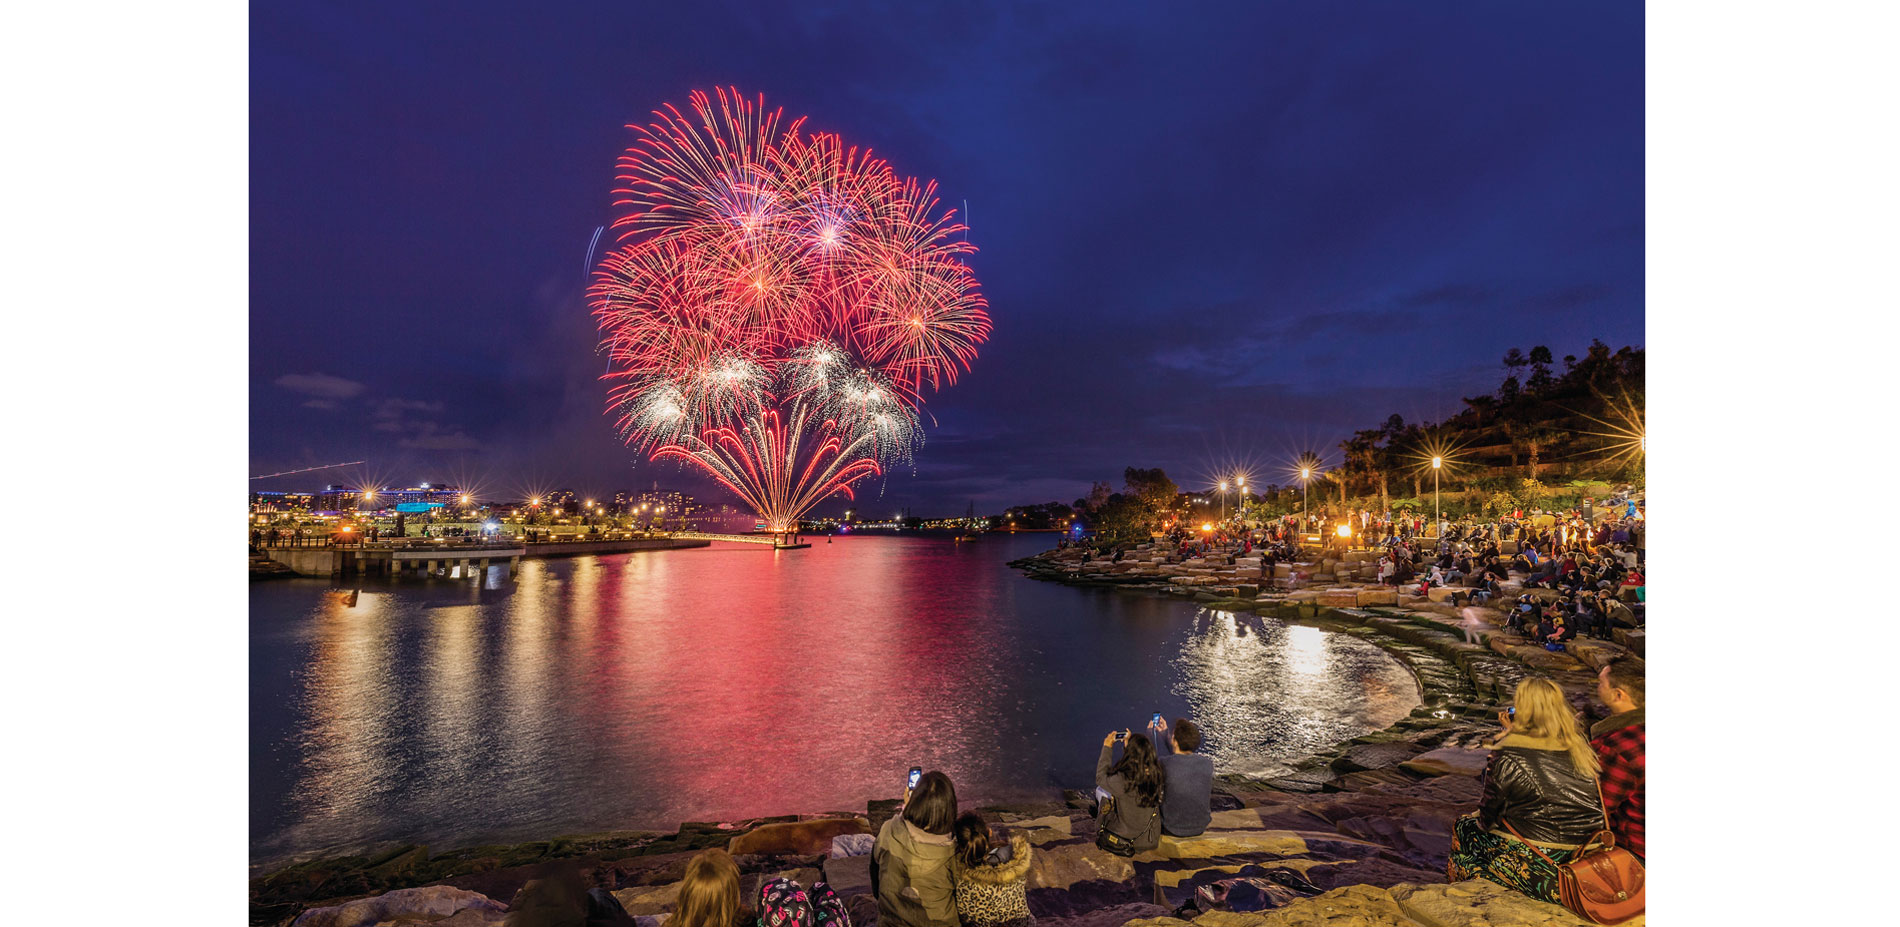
1437, 517
1240, 494
1305, 472
1223, 500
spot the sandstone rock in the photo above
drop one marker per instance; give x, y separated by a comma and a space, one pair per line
1226, 843
1633, 639
849, 875
1385, 596
1065, 865
1045, 830
1112, 916
1443, 593
1479, 903
1593, 653
1339, 598
648, 899
1449, 761
413, 905
1375, 756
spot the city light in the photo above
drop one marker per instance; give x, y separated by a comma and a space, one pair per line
1207, 526
1345, 531
1437, 462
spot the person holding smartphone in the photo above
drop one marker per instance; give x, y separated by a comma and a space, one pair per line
1187, 809
911, 861
1130, 812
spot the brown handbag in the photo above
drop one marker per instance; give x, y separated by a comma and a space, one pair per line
1602, 884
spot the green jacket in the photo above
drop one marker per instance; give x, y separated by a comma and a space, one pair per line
914, 880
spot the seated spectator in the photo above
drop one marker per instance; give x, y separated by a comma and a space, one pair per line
1590, 618
1187, 808
1632, 588
910, 863
1523, 616
709, 895
1540, 798
1618, 614
991, 880
1620, 744
1130, 795
1560, 631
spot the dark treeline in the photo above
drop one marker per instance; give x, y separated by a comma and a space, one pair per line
1553, 430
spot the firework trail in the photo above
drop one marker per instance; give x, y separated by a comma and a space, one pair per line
780, 304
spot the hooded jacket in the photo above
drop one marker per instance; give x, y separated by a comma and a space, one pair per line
1531, 783
913, 878
995, 893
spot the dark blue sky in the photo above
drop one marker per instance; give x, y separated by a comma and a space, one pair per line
1212, 234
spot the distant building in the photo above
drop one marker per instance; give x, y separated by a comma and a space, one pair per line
678, 504
284, 503
336, 498
425, 498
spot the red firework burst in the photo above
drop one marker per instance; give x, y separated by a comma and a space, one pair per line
780, 304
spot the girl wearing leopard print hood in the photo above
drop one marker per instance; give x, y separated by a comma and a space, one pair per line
991, 881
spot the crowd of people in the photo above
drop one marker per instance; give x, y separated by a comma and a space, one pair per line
1550, 792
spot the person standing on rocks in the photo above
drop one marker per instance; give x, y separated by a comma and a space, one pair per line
1187, 808
911, 861
1620, 741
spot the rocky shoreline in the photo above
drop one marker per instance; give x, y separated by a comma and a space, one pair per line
1367, 823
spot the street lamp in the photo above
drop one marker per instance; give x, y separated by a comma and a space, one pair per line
1438, 517
1304, 473
1240, 493
1223, 500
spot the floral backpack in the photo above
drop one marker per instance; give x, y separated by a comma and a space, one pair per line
784, 903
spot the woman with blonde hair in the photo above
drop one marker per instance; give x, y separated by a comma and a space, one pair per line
709, 896
1540, 804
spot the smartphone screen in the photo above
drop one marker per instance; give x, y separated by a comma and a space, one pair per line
1511, 711
916, 773
1157, 720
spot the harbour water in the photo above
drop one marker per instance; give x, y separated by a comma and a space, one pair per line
640, 690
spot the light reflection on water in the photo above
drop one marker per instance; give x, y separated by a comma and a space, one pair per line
643, 690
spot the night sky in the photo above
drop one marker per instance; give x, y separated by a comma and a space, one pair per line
1212, 235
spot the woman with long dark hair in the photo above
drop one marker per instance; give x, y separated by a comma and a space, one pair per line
1130, 819
910, 862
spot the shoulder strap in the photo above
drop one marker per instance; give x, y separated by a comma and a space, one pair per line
1605, 808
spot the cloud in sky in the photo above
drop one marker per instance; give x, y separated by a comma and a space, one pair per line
321, 385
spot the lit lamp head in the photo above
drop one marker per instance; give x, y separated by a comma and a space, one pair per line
1223, 485
1345, 531
1305, 472
1437, 462
1207, 526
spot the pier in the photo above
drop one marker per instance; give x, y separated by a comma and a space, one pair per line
460, 558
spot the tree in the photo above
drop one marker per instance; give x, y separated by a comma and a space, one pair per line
1540, 380
1514, 361
1151, 488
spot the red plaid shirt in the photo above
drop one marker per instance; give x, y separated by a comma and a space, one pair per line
1621, 752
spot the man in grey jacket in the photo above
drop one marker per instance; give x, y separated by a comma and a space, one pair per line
1186, 809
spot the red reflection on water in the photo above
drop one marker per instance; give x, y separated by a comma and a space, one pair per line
643, 690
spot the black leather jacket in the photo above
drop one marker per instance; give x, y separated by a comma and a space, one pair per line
1534, 787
